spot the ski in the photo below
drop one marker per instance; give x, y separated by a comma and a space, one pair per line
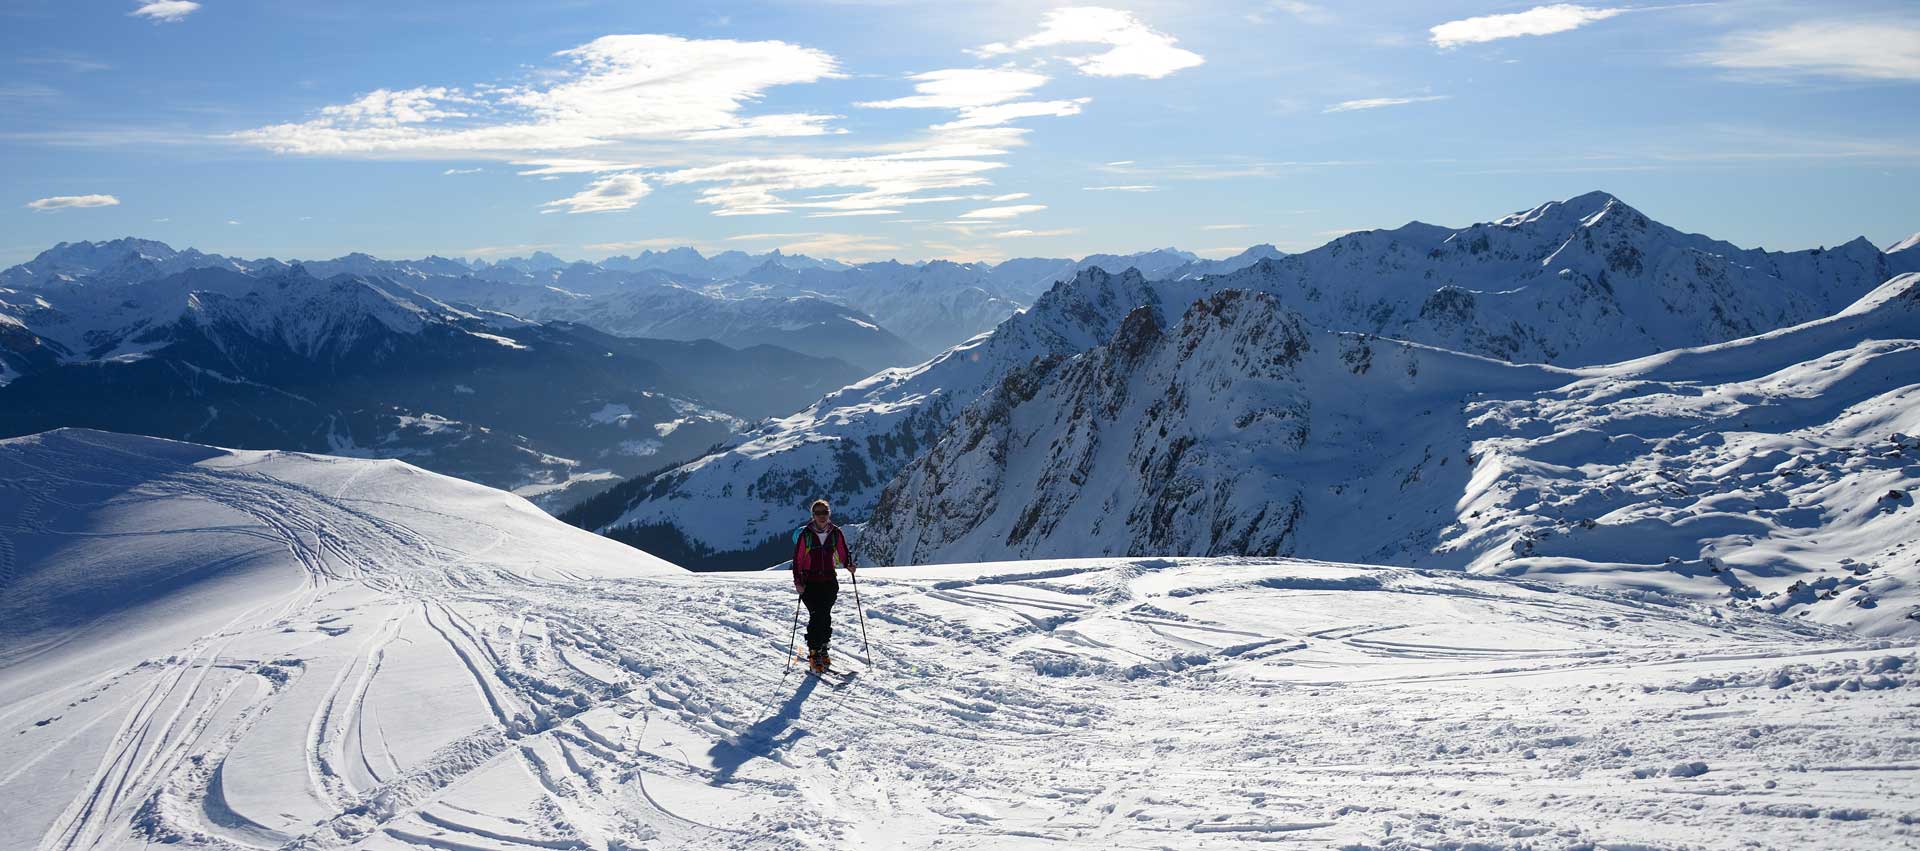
835, 678
831, 676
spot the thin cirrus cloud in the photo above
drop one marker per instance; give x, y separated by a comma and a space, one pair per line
1376, 103
608, 194
640, 112
616, 88
1539, 20
73, 202
846, 246
1861, 50
984, 97
1024, 232
1133, 48
999, 213
165, 11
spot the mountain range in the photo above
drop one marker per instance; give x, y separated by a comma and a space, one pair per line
366, 366
1522, 298
360, 355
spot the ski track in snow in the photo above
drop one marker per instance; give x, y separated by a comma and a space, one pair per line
432, 680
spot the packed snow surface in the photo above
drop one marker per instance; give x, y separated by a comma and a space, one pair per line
234, 650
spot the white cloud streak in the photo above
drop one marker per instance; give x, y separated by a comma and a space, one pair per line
609, 194
985, 97
165, 11
1861, 50
1000, 213
615, 88
1134, 49
73, 202
1376, 103
841, 246
1539, 20
755, 187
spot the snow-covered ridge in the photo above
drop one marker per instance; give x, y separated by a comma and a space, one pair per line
216, 650
1581, 281
368, 366
864, 314
851, 441
1772, 472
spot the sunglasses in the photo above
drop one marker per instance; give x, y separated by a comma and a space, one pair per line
821, 513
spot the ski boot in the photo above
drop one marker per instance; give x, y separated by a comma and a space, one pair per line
818, 662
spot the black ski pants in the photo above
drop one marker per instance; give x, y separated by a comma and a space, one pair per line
819, 597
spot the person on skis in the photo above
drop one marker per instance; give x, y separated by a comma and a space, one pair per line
818, 549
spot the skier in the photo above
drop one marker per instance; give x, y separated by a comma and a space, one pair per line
818, 549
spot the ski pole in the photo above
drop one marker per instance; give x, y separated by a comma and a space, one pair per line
861, 611
790, 632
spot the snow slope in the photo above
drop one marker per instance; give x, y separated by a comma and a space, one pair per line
1774, 471
258, 650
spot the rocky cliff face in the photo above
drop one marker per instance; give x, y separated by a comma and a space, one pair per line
1775, 471
723, 508
1194, 437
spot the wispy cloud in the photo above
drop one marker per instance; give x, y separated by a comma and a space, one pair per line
76, 63
1863, 50
984, 97
1023, 232
26, 91
608, 194
73, 202
1307, 12
640, 244
1134, 49
1376, 103
504, 250
998, 213
843, 246
615, 88
165, 11
758, 186
452, 171
1539, 20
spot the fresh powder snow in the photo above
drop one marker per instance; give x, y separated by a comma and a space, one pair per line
223, 649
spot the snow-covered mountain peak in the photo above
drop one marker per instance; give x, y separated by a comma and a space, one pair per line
1905, 244
314, 317
116, 261
1585, 209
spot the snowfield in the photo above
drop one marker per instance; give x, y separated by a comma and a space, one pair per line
236, 650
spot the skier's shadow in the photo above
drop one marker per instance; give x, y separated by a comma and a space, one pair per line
765, 737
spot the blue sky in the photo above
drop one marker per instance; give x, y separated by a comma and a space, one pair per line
865, 129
